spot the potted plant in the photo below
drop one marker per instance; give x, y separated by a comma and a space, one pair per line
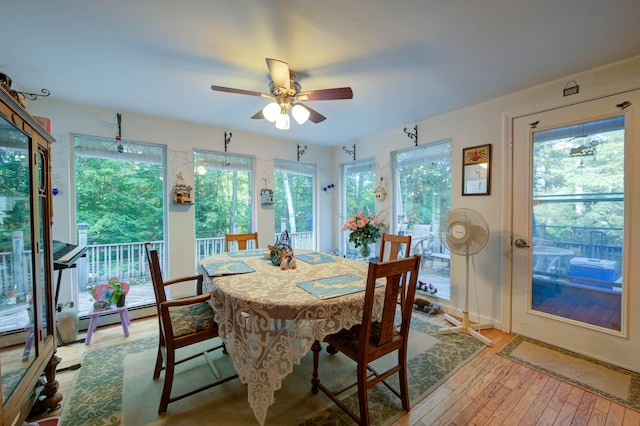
117, 296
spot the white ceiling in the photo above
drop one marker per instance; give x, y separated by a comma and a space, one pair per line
406, 60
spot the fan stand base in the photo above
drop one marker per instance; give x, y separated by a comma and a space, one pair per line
464, 327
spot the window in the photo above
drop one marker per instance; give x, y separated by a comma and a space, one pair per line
294, 201
422, 196
223, 199
578, 221
119, 206
358, 186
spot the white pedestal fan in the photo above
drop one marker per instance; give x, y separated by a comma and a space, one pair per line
465, 233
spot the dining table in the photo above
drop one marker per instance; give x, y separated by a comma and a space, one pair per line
551, 260
269, 317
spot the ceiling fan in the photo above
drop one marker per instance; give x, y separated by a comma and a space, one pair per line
285, 90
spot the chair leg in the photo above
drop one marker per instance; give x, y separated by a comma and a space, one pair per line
158, 368
168, 382
362, 393
316, 348
404, 384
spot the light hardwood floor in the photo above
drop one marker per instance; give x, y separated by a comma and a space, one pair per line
489, 390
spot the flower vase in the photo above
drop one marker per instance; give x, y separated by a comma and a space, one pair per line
365, 251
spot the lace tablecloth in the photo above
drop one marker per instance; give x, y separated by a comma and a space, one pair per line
269, 323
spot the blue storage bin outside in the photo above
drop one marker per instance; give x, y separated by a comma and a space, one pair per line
595, 269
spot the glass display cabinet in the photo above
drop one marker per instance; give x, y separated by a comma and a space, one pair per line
27, 320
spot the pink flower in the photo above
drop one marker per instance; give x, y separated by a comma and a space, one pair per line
353, 225
376, 221
361, 215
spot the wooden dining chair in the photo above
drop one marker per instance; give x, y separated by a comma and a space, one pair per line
372, 339
183, 322
395, 243
241, 240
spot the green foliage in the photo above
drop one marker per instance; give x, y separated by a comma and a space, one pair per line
14, 197
359, 194
424, 179
571, 192
222, 199
301, 192
121, 201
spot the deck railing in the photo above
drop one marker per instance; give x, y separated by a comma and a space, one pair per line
128, 261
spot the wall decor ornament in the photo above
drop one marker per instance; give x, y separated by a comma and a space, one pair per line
413, 136
380, 192
351, 152
301, 151
476, 171
227, 140
266, 194
182, 192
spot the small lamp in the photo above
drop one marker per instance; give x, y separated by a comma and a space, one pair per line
283, 122
271, 111
300, 113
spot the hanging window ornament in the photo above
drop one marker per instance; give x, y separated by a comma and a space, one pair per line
379, 192
266, 194
182, 191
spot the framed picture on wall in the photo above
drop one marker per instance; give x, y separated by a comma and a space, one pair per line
476, 171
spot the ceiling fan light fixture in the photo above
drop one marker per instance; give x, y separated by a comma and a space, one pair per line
271, 112
300, 113
283, 122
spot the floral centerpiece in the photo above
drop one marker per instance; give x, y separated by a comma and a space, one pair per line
365, 230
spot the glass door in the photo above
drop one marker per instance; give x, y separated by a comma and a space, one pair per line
18, 327
572, 221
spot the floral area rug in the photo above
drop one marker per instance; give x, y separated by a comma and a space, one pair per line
114, 386
605, 380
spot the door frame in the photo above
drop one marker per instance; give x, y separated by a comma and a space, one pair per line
508, 119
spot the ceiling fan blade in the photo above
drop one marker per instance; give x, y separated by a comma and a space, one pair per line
314, 116
280, 74
327, 94
258, 115
238, 91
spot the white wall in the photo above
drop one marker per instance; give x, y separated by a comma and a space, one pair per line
475, 125
180, 138
478, 125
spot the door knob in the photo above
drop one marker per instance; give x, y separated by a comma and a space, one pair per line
520, 243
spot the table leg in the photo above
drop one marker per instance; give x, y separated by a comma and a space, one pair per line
124, 319
93, 323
